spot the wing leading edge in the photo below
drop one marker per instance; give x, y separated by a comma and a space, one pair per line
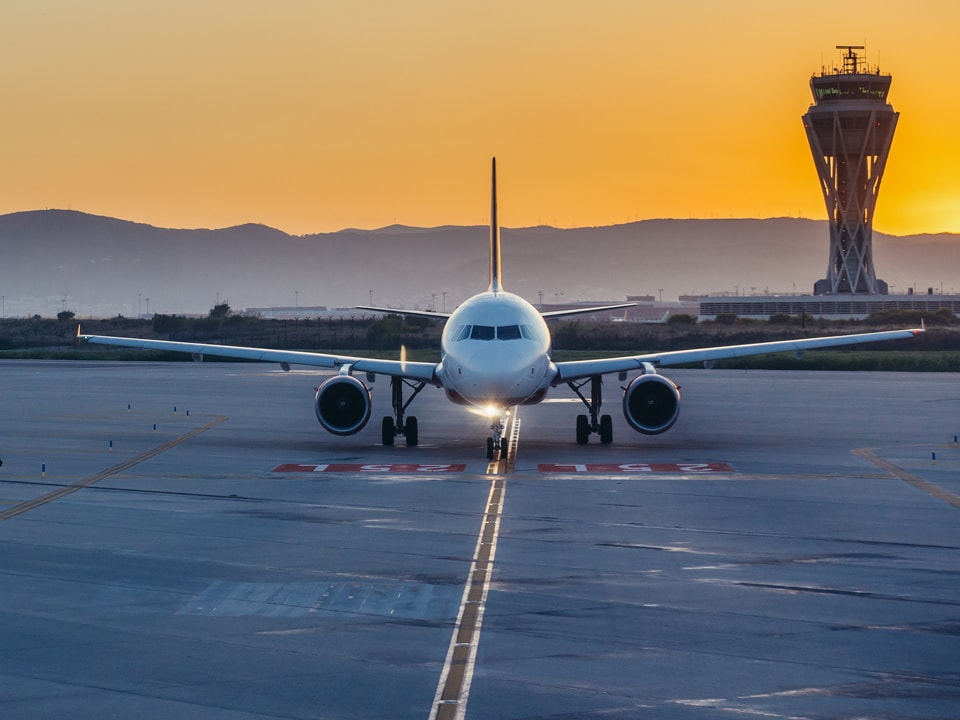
425, 372
578, 369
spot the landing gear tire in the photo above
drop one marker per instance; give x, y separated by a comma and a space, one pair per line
490, 448
396, 425
606, 429
583, 430
412, 431
387, 430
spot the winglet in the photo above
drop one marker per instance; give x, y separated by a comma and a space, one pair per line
495, 268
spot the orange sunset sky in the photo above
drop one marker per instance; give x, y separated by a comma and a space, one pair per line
313, 116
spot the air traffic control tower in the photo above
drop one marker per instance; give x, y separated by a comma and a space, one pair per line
850, 128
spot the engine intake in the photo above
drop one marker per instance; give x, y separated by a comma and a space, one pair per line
343, 405
651, 404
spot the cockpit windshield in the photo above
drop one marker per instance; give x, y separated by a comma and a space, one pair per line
489, 332
482, 332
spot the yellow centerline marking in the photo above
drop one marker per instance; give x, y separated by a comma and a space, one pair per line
909, 478
453, 689
93, 479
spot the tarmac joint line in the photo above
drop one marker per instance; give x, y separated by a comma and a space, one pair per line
103, 475
908, 477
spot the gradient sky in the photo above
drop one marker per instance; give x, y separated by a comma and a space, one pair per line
314, 116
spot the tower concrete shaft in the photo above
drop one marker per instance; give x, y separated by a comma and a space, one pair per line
850, 128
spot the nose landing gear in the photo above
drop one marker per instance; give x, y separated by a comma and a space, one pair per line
495, 441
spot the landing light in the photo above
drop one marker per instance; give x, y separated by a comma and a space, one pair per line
490, 411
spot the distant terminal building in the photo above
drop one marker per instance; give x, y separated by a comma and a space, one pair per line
316, 312
835, 307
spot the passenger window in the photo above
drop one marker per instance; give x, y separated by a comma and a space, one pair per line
482, 332
508, 332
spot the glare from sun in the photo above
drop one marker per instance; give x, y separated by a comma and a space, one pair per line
490, 411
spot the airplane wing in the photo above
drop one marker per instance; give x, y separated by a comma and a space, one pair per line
585, 310
401, 368
412, 313
578, 369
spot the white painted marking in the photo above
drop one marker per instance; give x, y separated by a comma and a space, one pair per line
492, 515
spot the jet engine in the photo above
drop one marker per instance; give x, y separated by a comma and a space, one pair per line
343, 405
651, 404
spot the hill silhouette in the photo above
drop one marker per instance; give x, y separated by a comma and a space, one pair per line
109, 267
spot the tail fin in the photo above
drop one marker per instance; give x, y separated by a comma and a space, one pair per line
495, 268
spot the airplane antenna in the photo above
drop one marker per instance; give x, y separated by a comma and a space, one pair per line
494, 235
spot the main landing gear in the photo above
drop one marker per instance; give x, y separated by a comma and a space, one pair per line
595, 423
391, 427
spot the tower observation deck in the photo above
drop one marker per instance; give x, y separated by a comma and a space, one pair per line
850, 129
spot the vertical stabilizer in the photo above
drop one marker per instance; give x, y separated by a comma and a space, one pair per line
495, 268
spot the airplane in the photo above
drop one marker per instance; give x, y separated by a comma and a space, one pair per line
495, 355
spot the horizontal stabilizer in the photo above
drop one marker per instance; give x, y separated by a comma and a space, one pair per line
586, 310
412, 313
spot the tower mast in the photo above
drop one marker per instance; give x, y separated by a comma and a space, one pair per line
850, 128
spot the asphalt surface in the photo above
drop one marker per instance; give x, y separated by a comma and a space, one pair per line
184, 540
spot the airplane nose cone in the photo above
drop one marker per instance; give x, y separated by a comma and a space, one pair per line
490, 375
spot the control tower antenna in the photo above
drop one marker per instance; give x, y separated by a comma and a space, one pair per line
850, 128
851, 59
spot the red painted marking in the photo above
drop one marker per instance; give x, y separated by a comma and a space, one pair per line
635, 468
356, 467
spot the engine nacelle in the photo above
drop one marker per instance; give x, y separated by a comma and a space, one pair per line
651, 404
343, 405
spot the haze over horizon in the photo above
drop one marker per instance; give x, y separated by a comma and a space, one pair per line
314, 117
104, 267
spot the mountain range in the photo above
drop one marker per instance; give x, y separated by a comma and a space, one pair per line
103, 267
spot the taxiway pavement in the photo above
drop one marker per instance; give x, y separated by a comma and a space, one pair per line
184, 540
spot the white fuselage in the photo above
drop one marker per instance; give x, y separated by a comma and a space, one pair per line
495, 352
